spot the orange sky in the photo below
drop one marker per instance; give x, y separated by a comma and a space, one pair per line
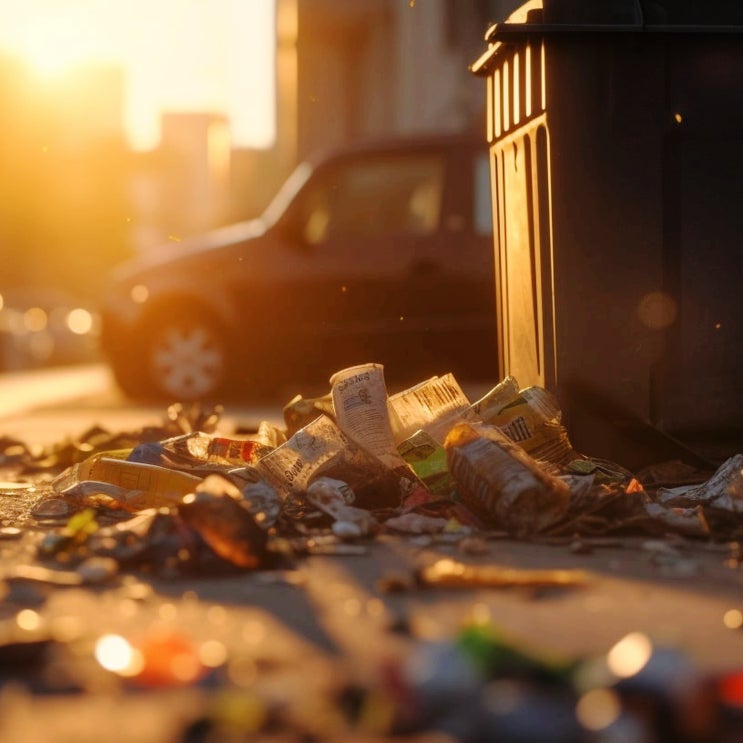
179, 55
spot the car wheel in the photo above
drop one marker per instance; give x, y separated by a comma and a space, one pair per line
186, 356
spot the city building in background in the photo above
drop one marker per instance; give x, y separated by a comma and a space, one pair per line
358, 69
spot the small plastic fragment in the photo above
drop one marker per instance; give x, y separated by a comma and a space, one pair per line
427, 458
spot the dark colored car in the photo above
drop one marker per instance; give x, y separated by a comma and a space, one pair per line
377, 253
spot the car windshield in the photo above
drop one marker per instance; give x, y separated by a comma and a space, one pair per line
286, 193
374, 195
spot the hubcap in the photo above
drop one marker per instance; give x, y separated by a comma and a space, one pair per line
188, 362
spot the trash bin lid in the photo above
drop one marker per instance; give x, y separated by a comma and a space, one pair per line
542, 17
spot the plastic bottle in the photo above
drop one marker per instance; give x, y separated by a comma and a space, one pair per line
197, 448
498, 480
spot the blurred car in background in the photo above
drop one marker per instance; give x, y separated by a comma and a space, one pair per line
381, 252
41, 327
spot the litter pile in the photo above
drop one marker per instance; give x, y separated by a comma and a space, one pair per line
347, 466
352, 466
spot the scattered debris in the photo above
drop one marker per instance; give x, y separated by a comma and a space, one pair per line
356, 465
352, 464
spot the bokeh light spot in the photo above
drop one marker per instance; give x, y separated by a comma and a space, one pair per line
630, 655
115, 653
28, 619
139, 294
35, 319
597, 709
733, 619
657, 310
212, 653
79, 321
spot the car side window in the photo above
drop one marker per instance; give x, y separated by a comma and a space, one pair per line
375, 196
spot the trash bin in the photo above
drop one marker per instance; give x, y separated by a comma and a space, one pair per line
616, 146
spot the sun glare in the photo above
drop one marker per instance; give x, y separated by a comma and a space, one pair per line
50, 60
176, 55
52, 38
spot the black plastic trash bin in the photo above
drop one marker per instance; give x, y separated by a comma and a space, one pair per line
616, 142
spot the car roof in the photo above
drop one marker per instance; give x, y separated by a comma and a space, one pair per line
400, 143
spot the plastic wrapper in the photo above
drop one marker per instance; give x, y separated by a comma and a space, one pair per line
530, 417
493, 401
501, 483
427, 458
724, 490
688, 521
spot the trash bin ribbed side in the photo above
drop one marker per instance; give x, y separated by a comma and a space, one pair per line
613, 151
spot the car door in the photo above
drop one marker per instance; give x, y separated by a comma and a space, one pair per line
354, 236
451, 287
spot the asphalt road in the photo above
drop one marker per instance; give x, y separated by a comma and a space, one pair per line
296, 633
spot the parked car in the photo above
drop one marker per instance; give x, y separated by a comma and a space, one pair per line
381, 252
45, 326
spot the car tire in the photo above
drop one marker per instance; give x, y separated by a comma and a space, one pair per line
171, 357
